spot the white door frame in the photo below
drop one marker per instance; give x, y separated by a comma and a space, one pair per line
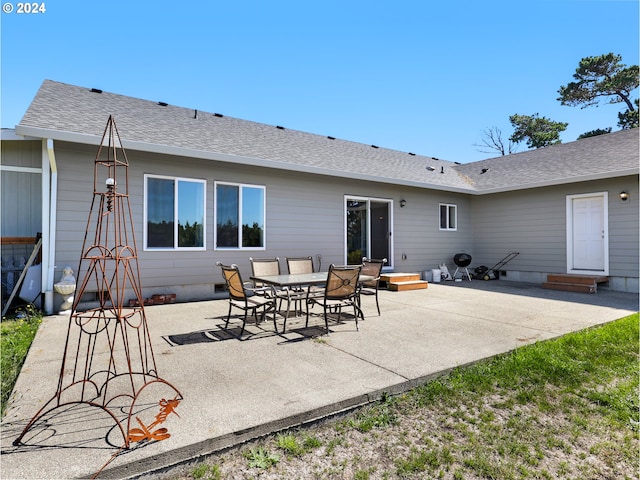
390, 209
605, 233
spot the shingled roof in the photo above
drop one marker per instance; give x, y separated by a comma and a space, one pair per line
604, 156
78, 114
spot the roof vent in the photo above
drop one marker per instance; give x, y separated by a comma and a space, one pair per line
412, 154
96, 90
441, 169
431, 169
374, 146
484, 170
457, 163
218, 115
331, 138
279, 127
163, 104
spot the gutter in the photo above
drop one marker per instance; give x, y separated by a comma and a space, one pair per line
562, 181
86, 139
82, 138
49, 205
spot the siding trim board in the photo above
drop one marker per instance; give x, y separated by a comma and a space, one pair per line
9, 168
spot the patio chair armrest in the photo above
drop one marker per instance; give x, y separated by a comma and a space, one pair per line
264, 290
314, 293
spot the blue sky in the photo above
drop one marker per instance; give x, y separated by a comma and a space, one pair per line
419, 76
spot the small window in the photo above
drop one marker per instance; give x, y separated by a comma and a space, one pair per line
174, 213
448, 216
240, 214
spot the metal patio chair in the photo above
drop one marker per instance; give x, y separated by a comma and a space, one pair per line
341, 290
244, 298
271, 266
261, 267
296, 265
373, 268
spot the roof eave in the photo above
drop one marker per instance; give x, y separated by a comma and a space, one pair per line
564, 181
10, 134
73, 137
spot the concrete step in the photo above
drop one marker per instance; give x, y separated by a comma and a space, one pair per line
408, 285
570, 287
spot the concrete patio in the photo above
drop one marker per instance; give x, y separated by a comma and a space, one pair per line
238, 389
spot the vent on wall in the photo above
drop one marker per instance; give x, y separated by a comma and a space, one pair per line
89, 297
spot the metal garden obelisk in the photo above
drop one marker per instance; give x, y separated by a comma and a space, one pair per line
108, 358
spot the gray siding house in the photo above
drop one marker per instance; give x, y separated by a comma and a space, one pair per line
238, 189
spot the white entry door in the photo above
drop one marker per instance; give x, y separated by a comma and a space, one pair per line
587, 234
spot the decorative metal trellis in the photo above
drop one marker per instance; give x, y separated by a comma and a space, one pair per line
108, 357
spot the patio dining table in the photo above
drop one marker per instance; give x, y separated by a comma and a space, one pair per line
303, 281
299, 279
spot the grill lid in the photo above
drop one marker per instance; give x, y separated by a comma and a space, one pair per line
462, 259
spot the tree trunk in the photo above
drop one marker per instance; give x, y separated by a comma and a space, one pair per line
627, 101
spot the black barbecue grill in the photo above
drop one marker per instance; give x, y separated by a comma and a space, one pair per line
462, 261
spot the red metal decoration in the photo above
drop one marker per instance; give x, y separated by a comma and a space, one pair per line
108, 357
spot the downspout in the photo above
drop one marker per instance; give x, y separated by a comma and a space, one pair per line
49, 205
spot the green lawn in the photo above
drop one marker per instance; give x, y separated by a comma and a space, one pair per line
564, 408
16, 335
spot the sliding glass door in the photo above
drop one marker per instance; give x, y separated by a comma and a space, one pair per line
368, 229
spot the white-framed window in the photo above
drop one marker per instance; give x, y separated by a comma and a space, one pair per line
174, 213
240, 216
448, 216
